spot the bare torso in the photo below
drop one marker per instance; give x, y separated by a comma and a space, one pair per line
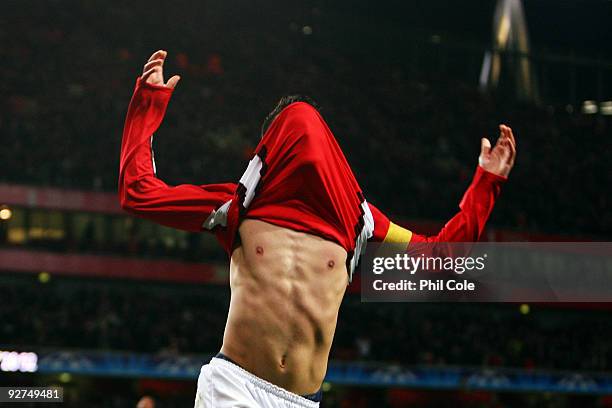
286, 287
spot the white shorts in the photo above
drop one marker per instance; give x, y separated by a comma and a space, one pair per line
223, 384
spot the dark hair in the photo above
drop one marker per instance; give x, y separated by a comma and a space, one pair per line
282, 104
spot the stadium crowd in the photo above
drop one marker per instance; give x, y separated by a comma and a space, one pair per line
178, 319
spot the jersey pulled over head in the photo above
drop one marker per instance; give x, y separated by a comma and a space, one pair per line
300, 179
282, 104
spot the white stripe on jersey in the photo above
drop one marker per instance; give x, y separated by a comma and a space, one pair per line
217, 217
361, 241
250, 179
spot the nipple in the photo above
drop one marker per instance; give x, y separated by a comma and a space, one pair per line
259, 250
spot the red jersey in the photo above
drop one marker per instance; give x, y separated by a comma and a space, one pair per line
298, 179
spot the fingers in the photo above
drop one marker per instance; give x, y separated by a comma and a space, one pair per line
507, 140
157, 55
173, 81
153, 63
502, 135
148, 73
509, 133
506, 132
512, 141
512, 146
156, 59
485, 146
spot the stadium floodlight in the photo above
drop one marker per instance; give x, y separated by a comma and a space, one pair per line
589, 107
509, 36
605, 108
12, 361
5, 213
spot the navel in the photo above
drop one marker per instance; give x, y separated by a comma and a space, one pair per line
259, 250
331, 264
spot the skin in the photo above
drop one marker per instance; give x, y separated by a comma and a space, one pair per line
287, 286
146, 402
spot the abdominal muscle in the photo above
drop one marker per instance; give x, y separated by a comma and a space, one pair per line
286, 287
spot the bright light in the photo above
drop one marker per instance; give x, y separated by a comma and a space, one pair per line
524, 309
29, 362
44, 277
11, 361
606, 108
5, 213
589, 107
326, 386
65, 377
307, 30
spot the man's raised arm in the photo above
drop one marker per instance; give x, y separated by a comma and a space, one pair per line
186, 207
494, 165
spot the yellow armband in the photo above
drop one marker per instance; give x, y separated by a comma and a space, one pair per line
397, 234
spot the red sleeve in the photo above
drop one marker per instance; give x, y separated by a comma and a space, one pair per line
185, 207
474, 210
466, 226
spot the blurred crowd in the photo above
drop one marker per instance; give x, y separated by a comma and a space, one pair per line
409, 119
180, 319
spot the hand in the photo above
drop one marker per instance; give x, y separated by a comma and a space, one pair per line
153, 71
500, 159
